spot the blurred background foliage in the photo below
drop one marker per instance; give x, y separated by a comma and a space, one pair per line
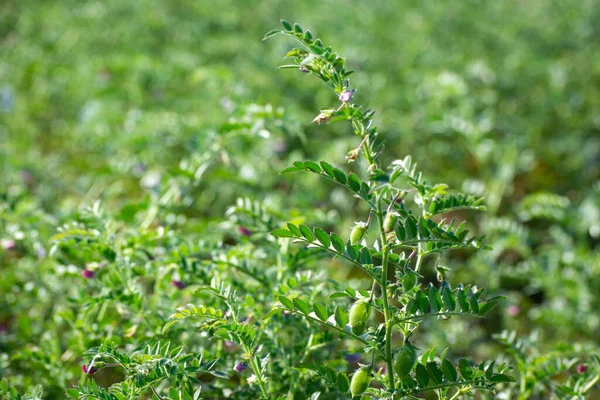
167, 111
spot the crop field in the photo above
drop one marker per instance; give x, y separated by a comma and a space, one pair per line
297, 200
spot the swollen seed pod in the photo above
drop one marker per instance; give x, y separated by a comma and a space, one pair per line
358, 317
360, 382
389, 223
358, 232
406, 358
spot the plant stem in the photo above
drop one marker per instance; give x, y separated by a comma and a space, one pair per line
258, 374
389, 325
155, 393
419, 259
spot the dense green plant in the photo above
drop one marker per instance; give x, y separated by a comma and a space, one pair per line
403, 300
134, 117
403, 233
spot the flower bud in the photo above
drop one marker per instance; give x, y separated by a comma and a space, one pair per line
346, 96
359, 316
581, 369
178, 284
303, 69
358, 233
241, 366
88, 371
87, 274
245, 231
360, 382
389, 223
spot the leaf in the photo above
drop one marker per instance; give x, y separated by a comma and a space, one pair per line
421, 301
312, 166
301, 305
284, 233
287, 303
449, 299
340, 176
306, 232
411, 227
434, 373
322, 236
400, 232
289, 169
354, 182
338, 243
343, 384
271, 33
462, 300
434, 299
341, 316
271, 313
486, 308
466, 371
219, 374
489, 371
473, 302
422, 375
449, 371
338, 295
286, 25
294, 229
501, 378
320, 311
168, 325
327, 168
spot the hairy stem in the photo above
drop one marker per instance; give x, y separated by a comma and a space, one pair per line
259, 376
389, 320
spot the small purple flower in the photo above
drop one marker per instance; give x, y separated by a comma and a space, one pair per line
352, 358
87, 274
303, 69
178, 284
244, 231
88, 371
229, 343
346, 96
513, 310
581, 369
7, 244
241, 366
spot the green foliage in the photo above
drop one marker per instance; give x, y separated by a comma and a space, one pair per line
141, 212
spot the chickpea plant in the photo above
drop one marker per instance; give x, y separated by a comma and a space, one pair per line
404, 226
266, 323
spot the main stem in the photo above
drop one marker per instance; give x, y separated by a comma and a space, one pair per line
257, 372
389, 325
